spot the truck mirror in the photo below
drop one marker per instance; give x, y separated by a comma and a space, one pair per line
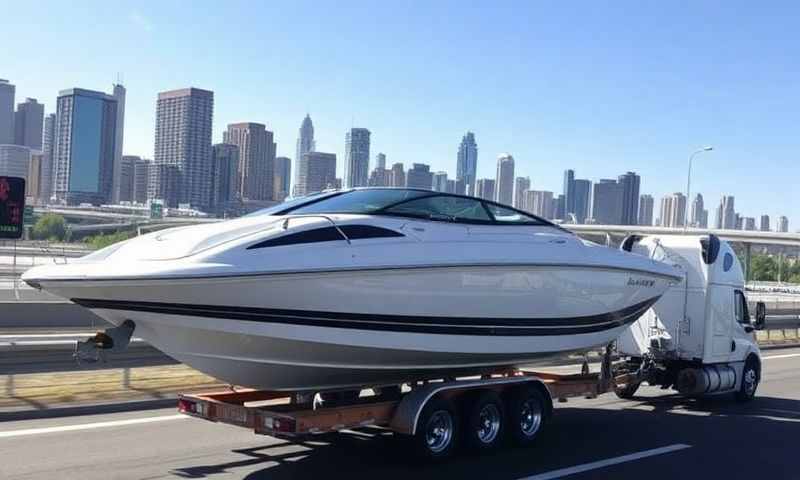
761, 316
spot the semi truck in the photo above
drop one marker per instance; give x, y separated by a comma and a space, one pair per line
698, 339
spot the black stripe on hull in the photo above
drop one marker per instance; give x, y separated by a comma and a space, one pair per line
390, 323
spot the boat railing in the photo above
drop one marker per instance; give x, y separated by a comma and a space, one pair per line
316, 215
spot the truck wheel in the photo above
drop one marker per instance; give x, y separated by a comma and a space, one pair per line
437, 431
527, 412
628, 391
751, 375
484, 421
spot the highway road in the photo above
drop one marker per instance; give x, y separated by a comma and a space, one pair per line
651, 437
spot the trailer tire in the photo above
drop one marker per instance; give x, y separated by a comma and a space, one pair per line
628, 391
437, 430
751, 376
484, 421
527, 414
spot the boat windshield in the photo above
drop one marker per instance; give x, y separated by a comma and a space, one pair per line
292, 203
358, 201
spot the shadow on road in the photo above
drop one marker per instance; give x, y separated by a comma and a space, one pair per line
764, 428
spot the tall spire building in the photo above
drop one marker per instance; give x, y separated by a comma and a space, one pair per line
305, 144
356, 158
467, 164
505, 179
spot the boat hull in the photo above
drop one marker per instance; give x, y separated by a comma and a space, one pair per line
325, 330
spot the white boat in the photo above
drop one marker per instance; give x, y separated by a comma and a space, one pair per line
363, 287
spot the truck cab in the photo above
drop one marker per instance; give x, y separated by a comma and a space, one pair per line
699, 338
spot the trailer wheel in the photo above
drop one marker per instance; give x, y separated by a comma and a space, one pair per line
628, 391
527, 412
437, 430
484, 421
751, 375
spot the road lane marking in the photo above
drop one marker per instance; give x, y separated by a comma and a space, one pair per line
90, 426
563, 472
788, 355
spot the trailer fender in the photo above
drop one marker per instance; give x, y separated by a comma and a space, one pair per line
408, 411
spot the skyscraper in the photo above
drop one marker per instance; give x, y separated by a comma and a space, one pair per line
504, 180
256, 159
380, 161
398, 176
320, 172
607, 202
164, 184
764, 224
582, 196
698, 217
7, 92
356, 158
783, 224
630, 197
283, 178
28, 123
484, 188
33, 187
726, 213
15, 161
380, 177
183, 140
673, 210
569, 192
521, 185
419, 176
127, 178
141, 180
748, 223
48, 145
119, 94
305, 144
467, 162
86, 132
439, 182
646, 210
224, 175
540, 203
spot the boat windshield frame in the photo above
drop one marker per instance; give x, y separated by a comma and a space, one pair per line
384, 211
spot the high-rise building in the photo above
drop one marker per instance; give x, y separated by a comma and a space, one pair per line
48, 141
558, 207
305, 144
33, 187
320, 172
569, 192
748, 223
484, 188
739, 222
645, 210
539, 203
165, 184
467, 162
607, 202
256, 159
119, 94
380, 177
83, 160
380, 161
451, 186
283, 178
582, 193
398, 176
698, 217
127, 178
15, 161
356, 158
783, 224
504, 184
439, 182
673, 210
141, 180
521, 185
183, 140
28, 124
7, 92
419, 176
224, 175
630, 197
726, 213
764, 224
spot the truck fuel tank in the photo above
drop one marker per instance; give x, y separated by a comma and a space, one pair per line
705, 380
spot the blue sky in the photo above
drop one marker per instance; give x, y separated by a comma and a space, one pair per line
598, 87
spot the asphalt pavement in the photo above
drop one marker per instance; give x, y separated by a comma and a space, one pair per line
654, 436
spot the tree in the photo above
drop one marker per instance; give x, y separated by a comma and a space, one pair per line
50, 227
101, 241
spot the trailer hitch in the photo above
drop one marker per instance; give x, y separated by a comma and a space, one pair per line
111, 340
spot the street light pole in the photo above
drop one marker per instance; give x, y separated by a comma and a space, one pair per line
689, 184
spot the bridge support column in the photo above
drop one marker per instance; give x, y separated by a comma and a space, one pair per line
747, 258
